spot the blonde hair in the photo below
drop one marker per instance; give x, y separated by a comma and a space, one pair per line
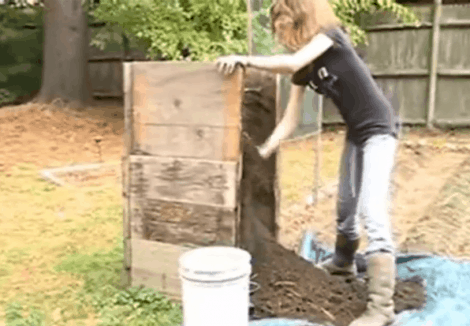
295, 22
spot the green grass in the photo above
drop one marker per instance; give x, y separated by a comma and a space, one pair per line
101, 291
61, 258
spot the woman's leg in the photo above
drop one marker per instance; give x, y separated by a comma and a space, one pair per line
377, 166
378, 160
347, 236
348, 223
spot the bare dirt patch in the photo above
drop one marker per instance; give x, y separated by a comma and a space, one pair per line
51, 135
443, 227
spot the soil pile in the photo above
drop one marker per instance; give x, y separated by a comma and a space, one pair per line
293, 287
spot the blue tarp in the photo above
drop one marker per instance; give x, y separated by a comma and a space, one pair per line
447, 284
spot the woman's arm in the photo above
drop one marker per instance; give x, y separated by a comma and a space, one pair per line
281, 63
290, 63
288, 123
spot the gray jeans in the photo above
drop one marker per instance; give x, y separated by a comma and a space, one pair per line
364, 189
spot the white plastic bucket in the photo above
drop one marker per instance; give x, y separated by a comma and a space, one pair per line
215, 286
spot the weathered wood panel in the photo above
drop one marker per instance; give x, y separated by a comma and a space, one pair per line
106, 78
454, 48
138, 186
186, 94
411, 94
155, 265
211, 183
454, 14
204, 142
398, 50
179, 223
453, 101
127, 213
184, 165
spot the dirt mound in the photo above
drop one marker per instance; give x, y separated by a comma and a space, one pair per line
51, 135
446, 219
292, 287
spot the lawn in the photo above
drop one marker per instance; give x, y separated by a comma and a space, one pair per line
61, 257
61, 247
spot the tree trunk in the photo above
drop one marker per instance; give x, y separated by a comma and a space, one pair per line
65, 56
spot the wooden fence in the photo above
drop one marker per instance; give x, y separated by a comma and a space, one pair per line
427, 68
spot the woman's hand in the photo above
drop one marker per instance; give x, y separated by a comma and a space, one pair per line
263, 151
227, 64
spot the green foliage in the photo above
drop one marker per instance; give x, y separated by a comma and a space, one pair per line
141, 307
97, 269
262, 37
207, 28
348, 11
14, 316
114, 306
210, 28
20, 51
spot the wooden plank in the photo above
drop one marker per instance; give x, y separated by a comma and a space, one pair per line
399, 52
421, 72
400, 72
137, 197
233, 91
192, 181
127, 86
455, 14
155, 266
398, 27
452, 100
128, 107
192, 93
454, 46
434, 62
106, 78
454, 72
179, 223
203, 142
452, 123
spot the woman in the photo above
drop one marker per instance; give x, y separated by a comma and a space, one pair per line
323, 58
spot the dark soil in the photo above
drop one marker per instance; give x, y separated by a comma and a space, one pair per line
292, 287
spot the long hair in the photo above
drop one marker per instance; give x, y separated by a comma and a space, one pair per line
295, 22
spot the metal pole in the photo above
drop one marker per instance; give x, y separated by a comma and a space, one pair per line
277, 183
319, 148
250, 27
433, 63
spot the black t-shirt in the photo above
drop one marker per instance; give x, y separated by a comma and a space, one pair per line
341, 75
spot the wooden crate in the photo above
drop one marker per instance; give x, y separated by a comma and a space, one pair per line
181, 166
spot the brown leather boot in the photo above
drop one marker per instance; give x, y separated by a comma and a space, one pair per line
342, 262
381, 284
